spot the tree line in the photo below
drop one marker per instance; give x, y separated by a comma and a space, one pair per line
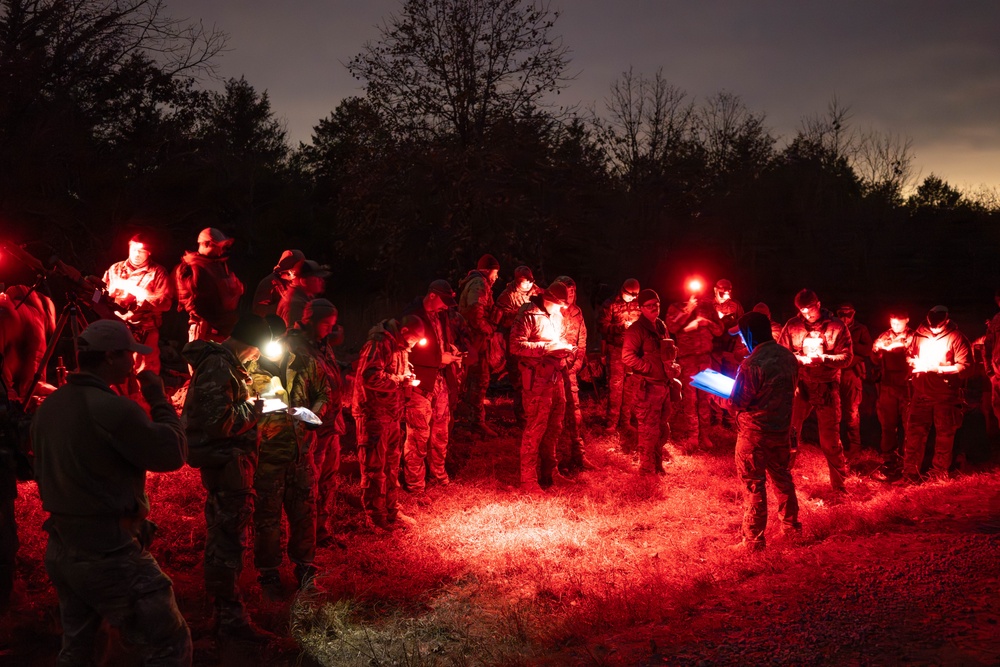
458, 147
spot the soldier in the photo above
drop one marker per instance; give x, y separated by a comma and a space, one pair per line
822, 344
476, 305
384, 374
574, 333
285, 478
727, 351
207, 289
694, 324
92, 451
320, 334
142, 289
649, 353
889, 352
273, 287
939, 355
762, 398
615, 317
852, 377
515, 295
221, 425
437, 361
536, 339
308, 282
764, 309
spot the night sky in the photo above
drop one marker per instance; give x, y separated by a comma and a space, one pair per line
927, 70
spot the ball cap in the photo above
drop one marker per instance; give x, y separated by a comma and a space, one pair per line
213, 235
443, 289
631, 286
252, 330
307, 268
557, 293
724, 285
288, 260
110, 336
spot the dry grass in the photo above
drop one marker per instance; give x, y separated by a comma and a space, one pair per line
491, 577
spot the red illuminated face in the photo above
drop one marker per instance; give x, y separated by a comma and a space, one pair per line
325, 326
570, 295
210, 248
811, 312
651, 309
138, 254
722, 295
898, 324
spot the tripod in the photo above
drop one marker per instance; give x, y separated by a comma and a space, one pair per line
72, 314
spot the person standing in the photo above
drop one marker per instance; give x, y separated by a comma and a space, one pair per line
822, 345
515, 295
763, 397
476, 305
889, 353
92, 450
273, 287
142, 289
852, 378
574, 334
991, 357
221, 423
308, 282
207, 289
436, 361
383, 376
649, 353
542, 354
615, 317
939, 355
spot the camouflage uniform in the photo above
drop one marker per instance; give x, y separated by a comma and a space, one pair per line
574, 332
851, 379
937, 399
991, 359
285, 476
143, 318
763, 398
542, 386
615, 317
819, 383
210, 293
428, 405
93, 449
222, 440
693, 415
508, 303
293, 304
377, 406
269, 294
894, 390
727, 352
650, 354
475, 304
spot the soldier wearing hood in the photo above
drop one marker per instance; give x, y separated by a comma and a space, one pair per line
763, 397
383, 375
221, 424
822, 345
939, 355
207, 289
476, 305
515, 295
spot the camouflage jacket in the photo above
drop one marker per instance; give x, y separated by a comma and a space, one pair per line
700, 338
269, 292
948, 348
574, 332
475, 304
764, 389
832, 339
861, 346
299, 381
153, 286
299, 342
217, 414
534, 329
510, 301
379, 380
892, 363
208, 290
616, 315
292, 305
991, 346
648, 351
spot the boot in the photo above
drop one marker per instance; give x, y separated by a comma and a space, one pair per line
305, 574
270, 585
558, 479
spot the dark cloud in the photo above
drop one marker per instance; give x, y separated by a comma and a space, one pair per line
925, 69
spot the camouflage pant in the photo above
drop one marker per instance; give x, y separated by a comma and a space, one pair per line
514, 377
946, 418
228, 513
757, 454
824, 398
893, 405
426, 444
621, 389
692, 415
125, 587
151, 361
379, 454
571, 453
327, 460
288, 486
850, 407
477, 382
652, 410
544, 407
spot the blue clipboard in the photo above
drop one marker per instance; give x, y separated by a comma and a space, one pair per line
714, 383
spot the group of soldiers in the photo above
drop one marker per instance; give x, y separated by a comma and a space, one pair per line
263, 423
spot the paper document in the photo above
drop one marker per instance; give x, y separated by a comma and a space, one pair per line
274, 405
306, 415
714, 383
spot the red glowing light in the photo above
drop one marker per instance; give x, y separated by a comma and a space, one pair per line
422, 342
695, 285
